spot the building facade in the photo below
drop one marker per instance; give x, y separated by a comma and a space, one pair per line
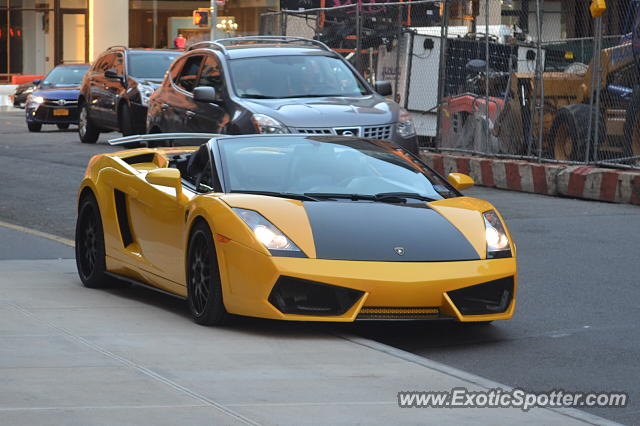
36, 35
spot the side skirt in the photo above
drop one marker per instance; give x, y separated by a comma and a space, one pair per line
147, 286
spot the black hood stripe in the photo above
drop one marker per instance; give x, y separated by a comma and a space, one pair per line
374, 231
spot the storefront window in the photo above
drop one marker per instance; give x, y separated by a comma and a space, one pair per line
158, 23
32, 42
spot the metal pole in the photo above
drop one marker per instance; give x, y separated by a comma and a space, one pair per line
214, 19
358, 34
596, 112
155, 23
539, 73
399, 39
444, 33
486, 77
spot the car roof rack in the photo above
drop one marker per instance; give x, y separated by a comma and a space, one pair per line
221, 44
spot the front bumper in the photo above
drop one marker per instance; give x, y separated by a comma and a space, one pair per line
46, 114
385, 290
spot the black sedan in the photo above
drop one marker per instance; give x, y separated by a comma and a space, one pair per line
55, 99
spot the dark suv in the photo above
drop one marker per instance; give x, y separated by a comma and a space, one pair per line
116, 89
274, 85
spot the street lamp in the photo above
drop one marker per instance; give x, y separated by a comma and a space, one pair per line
227, 24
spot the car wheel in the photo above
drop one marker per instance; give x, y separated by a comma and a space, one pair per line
90, 252
34, 127
63, 126
204, 292
87, 131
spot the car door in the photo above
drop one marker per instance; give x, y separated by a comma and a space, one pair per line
158, 218
184, 104
163, 115
97, 89
113, 87
210, 117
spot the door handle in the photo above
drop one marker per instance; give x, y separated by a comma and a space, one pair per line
190, 114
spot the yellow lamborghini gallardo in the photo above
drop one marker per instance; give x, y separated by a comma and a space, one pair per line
295, 227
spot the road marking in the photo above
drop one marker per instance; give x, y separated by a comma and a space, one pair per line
37, 233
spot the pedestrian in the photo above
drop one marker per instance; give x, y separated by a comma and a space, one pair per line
180, 42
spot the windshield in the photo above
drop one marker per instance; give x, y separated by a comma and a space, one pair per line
150, 66
65, 76
316, 166
276, 77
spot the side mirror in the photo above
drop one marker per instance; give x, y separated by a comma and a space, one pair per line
111, 73
204, 94
36, 81
166, 177
460, 181
383, 88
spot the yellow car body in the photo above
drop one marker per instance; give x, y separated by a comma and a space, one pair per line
158, 218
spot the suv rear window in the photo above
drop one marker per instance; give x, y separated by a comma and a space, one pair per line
150, 66
294, 76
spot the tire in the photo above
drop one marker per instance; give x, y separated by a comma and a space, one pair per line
204, 293
90, 252
63, 126
632, 126
569, 133
34, 127
87, 131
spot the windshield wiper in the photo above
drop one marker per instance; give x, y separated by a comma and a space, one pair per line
384, 196
258, 97
352, 197
302, 197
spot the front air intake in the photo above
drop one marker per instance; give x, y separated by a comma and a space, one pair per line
492, 297
297, 296
381, 312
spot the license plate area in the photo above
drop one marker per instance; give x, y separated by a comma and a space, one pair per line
61, 112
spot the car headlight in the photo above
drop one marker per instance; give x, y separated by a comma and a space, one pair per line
145, 93
266, 124
497, 239
35, 99
267, 233
406, 128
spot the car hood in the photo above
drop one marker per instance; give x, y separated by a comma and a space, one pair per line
374, 231
66, 93
327, 112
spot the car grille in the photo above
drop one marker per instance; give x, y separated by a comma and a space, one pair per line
378, 132
54, 102
380, 312
369, 132
327, 131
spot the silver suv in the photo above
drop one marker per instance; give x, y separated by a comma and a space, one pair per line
274, 85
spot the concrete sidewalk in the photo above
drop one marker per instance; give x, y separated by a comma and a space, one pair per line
71, 355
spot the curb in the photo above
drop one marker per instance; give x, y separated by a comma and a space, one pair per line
588, 182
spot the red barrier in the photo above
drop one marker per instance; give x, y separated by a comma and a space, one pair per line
20, 79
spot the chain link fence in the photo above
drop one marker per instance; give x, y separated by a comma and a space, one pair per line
477, 79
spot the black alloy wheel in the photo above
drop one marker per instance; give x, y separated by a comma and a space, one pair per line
90, 252
203, 279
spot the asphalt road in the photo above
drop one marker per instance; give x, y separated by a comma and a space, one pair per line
576, 326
